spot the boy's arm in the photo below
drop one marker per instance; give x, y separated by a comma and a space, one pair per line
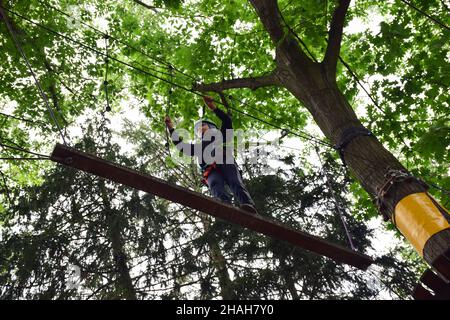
187, 148
226, 119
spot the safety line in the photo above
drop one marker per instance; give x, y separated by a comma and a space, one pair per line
23, 150
426, 15
38, 84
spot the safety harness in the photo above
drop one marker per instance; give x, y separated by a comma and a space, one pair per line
207, 172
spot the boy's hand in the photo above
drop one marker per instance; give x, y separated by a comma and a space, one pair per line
209, 102
168, 122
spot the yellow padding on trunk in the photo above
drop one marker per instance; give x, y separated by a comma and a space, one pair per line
418, 219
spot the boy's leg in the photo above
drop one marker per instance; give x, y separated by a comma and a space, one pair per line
234, 180
216, 184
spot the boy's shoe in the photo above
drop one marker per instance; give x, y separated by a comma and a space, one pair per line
249, 208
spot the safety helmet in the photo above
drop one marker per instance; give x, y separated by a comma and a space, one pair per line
199, 123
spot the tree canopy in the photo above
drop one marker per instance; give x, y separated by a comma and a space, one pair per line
142, 58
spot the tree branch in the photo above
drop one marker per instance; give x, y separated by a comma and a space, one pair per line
335, 35
146, 5
273, 22
251, 83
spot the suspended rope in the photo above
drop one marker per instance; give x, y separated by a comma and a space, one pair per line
5, 185
23, 159
168, 107
426, 15
203, 111
38, 84
21, 119
336, 201
105, 82
356, 78
170, 90
231, 58
298, 38
23, 150
388, 118
447, 192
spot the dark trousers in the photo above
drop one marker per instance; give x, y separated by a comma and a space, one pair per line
229, 174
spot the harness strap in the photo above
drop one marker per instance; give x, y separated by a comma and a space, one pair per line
207, 172
347, 136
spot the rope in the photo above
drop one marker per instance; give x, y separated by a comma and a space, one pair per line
23, 150
21, 119
38, 84
225, 103
356, 78
393, 177
298, 38
336, 202
105, 82
426, 15
6, 187
169, 104
24, 159
445, 191
347, 137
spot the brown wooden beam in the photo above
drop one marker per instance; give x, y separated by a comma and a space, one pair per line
134, 179
420, 293
442, 264
440, 287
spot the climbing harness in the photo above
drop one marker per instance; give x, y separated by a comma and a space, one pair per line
208, 171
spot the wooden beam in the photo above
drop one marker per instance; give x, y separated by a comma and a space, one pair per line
440, 287
134, 179
442, 265
420, 293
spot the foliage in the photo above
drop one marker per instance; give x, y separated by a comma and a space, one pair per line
404, 63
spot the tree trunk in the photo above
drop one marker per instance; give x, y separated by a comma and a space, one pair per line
124, 283
219, 262
289, 281
378, 171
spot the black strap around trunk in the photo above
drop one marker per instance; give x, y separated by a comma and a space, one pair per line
347, 136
